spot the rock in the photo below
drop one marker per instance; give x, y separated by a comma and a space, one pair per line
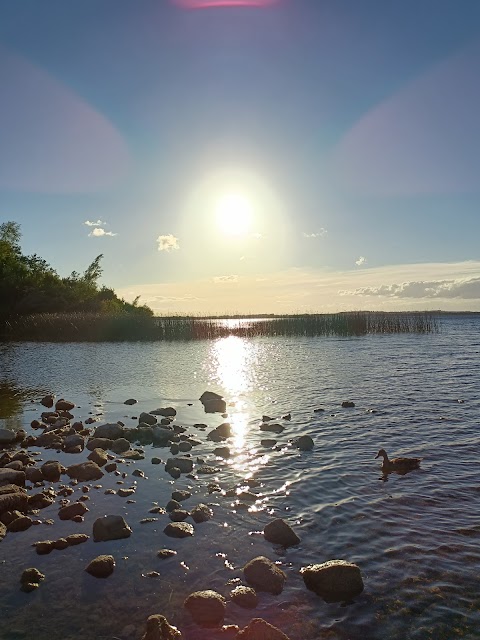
110, 528
166, 412
222, 452
163, 554
3, 531
222, 432
130, 401
47, 401
99, 457
162, 435
245, 597
76, 538
259, 629
85, 471
120, 445
334, 581
175, 473
73, 444
174, 449
12, 497
60, 544
71, 510
181, 494
111, 466
179, 530
268, 442
124, 493
133, 455
263, 575
147, 418
40, 500
213, 403
7, 436
304, 443
64, 405
99, 443
279, 532
348, 404
111, 430
207, 470
20, 524
156, 461
184, 464
10, 476
272, 427
101, 566
184, 446
51, 470
138, 473
201, 513
172, 505
32, 575
44, 546
207, 608
158, 628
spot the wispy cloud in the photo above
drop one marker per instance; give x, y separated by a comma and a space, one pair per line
167, 243
98, 223
257, 236
360, 261
468, 289
98, 232
225, 279
318, 234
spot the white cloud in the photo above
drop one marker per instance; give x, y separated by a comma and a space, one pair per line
99, 233
225, 279
320, 234
360, 261
167, 243
467, 289
257, 236
98, 223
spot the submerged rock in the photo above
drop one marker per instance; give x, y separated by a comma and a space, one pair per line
101, 566
110, 528
263, 575
280, 532
334, 581
207, 608
158, 628
304, 443
259, 629
348, 404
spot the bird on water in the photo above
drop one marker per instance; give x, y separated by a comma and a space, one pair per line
397, 464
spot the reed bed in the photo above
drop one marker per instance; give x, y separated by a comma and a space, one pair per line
92, 327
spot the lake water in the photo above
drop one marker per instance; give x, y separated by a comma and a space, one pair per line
415, 537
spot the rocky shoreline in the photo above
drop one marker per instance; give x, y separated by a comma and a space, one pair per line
27, 487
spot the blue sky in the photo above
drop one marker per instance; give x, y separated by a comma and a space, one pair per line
348, 132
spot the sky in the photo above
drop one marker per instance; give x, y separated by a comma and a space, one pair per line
248, 156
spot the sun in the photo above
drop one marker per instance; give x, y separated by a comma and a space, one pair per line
234, 214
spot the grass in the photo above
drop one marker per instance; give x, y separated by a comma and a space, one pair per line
92, 327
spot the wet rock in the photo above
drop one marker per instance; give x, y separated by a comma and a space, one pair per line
148, 520
99, 443
71, 510
130, 401
267, 419
111, 430
213, 403
166, 412
158, 628
259, 629
3, 531
263, 575
85, 471
207, 608
64, 405
101, 566
51, 470
77, 538
12, 497
174, 449
181, 494
40, 500
20, 524
245, 597
162, 435
31, 579
120, 445
98, 456
110, 528
147, 418
124, 493
184, 446
280, 532
179, 530
178, 515
207, 470
44, 546
138, 473
213, 487
318, 410
60, 544
156, 461
222, 452
47, 401
334, 581
111, 466
184, 464
163, 554
175, 473
134, 455
304, 443
172, 505
7, 436
348, 404
11, 476
73, 444
268, 443
272, 427
220, 433
201, 513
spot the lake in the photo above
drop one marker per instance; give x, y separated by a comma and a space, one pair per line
415, 537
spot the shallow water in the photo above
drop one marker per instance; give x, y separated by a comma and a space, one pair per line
415, 537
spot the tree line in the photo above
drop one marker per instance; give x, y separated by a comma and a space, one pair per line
29, 285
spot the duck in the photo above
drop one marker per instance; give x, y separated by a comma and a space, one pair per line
397, 464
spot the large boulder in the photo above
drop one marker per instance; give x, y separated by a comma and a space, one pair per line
280, 532
259, 629
7, 436
101, 566
111, 430
110, 528
263, 575
184, 464
334, 581
158, 628
11, 476
51, 470
85, 471
12, 498
213, 402
120, 446
207, 608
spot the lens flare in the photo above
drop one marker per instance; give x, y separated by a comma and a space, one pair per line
210, 4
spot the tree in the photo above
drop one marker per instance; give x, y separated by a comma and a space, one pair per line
11, 235
94, 271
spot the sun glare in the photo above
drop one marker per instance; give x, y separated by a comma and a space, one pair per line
234, 214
